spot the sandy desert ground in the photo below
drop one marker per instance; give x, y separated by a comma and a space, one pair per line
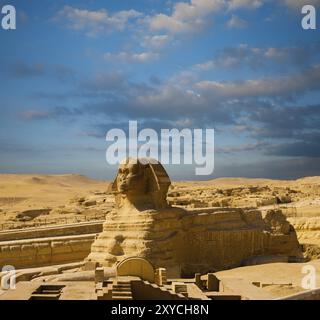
33, 200
37, 200
30, 200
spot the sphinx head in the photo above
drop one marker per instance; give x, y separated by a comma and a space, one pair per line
142, 182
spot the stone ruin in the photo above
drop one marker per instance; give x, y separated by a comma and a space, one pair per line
183, 241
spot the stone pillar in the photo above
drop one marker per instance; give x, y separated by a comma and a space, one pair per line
99, 275
213, 282
197, 279
161, 276
90, 265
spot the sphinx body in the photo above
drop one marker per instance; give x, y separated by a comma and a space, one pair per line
143, 224
184, 241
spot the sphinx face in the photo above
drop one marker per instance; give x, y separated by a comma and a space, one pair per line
131, 179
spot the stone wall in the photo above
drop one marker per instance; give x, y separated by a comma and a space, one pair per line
52, 231
223, 239
43, 246
45, 251
308, 229
190, 241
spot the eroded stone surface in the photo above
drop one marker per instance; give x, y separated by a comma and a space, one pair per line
184, 241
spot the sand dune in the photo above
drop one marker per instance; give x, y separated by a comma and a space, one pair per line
19, 193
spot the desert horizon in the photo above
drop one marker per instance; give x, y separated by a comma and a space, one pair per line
159, 150
51, 204
59, 193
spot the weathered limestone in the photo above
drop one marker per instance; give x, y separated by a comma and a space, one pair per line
160, 277
213, 282
52, 231
184, 241
143, 225
137, 267
47, 245
45, 251
99, 275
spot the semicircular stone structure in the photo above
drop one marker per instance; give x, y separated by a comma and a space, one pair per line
185, 241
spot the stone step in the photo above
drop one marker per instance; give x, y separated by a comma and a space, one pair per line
120, 285
122, 298
121, 288
46, 296
121, 293
122, 282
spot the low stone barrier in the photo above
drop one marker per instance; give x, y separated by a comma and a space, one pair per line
52, 231
45, 251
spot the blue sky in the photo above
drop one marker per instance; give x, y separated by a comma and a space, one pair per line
72, 70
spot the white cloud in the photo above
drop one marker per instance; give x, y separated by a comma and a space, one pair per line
236, 22
171, 98
95, 22
283, 86
244, 55
249, 4
205, 66
254, 4
232, 57
185, 16
192, 15
156, 41
276, 53
298, 4
131, 57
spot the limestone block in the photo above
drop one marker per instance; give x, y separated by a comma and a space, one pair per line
99, 274
179, 287
27, 247
212, 282
88, 266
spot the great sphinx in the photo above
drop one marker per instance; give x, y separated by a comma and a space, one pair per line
141, 184
184, 241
